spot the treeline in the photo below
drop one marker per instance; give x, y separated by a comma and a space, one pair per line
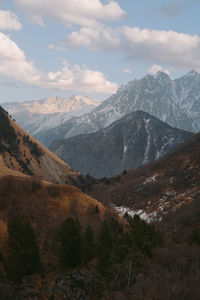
111, 251
130, 261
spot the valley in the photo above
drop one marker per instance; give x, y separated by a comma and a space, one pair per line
112, 217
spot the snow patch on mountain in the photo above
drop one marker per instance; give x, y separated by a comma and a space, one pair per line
122, 210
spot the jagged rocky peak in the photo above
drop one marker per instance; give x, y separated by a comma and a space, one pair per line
192, 73
176, 102
161, 75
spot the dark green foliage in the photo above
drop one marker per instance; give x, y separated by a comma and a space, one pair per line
34, 149
195, 237
144, 236
1, 256
70, 236
8, 137
88, 245
105, 249
23, 256
24, 165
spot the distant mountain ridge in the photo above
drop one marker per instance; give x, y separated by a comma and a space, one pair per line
136, 139
176, 102
49, 112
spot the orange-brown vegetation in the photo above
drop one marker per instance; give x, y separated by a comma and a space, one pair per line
46, 205
20, 152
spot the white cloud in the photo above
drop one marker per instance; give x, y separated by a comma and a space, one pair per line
14, 65
69, 12
159, 47
103, 38
156, 68
9, 20
128, 71
163, 47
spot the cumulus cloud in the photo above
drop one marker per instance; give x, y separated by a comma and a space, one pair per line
84, 13
15, 65
159, 47
103, 38
156, 68
9, 20
163, 47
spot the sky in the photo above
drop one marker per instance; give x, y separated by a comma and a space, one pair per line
92, 47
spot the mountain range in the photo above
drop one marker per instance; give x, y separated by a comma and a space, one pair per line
161, 258
175, 102
47, 113
136, 139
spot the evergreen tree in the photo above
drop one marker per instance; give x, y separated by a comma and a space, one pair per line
88, 244
23, 255
104, 249
70, 236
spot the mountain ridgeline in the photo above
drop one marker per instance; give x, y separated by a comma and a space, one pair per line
21, 154
175, 102
137, 139
50, 112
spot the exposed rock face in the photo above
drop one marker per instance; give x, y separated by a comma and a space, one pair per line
136, 139
176, 102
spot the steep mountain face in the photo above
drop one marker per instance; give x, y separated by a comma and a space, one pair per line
157, 188
187, 96
34, 116
21, 154
175, 102
136, 139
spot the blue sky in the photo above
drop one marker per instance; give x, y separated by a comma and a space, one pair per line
91, 47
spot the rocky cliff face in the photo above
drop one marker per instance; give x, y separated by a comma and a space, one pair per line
175, 102
136, 139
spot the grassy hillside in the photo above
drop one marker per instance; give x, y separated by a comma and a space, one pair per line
22, 153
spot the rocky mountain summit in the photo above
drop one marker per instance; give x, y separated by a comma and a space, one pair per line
137, 139
175, 102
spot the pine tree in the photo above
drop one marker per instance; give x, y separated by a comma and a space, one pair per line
104, 249
88, 244
23, 255
70, 236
